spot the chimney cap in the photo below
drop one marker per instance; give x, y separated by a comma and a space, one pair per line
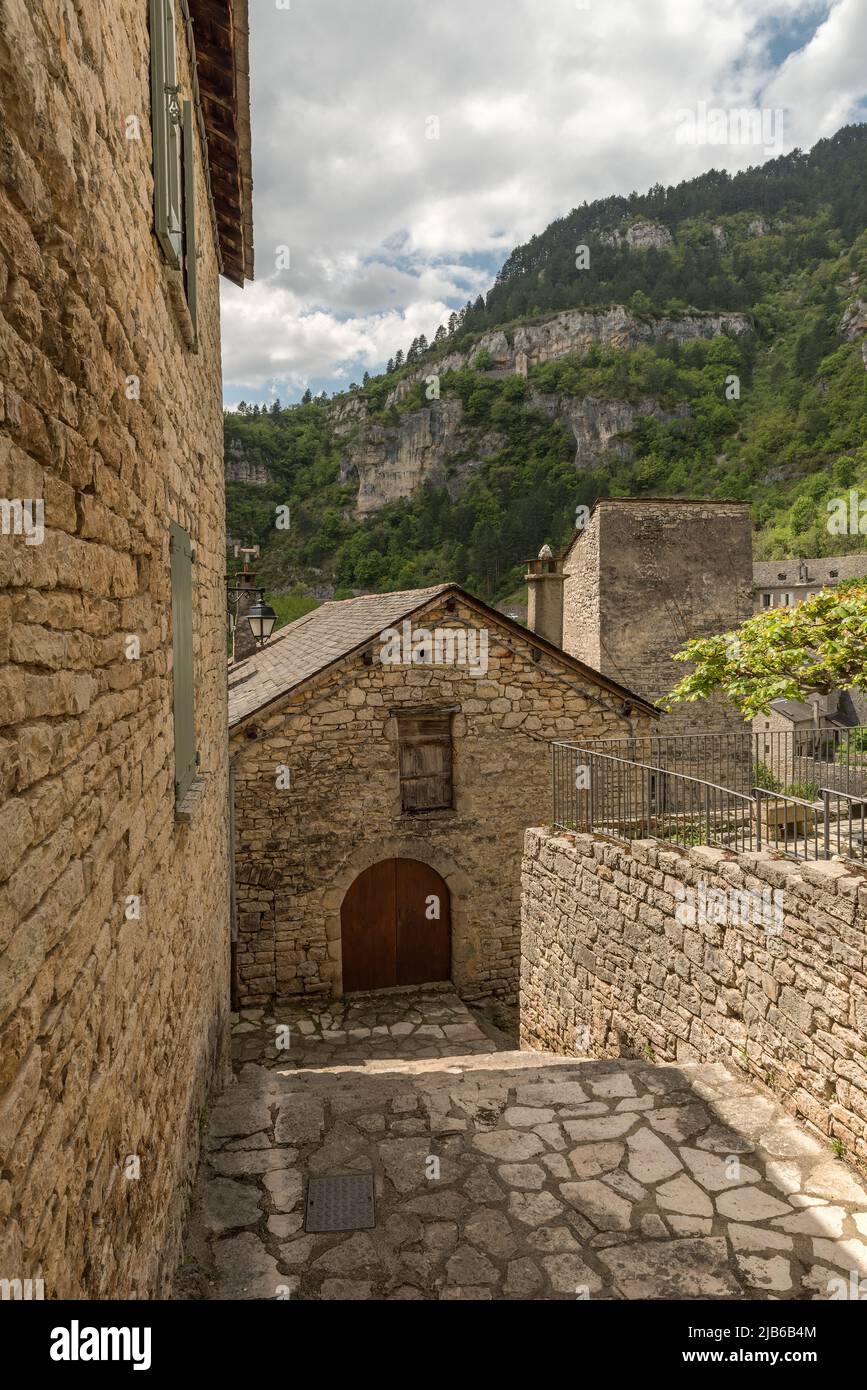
546, 553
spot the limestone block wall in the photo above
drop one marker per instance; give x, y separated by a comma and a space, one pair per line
612, 964
298, 849
112, 1027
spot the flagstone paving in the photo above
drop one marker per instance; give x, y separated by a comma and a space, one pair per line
507, 1175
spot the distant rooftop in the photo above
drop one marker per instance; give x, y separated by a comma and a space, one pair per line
800, 712
826, 569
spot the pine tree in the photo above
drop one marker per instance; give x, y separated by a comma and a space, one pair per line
453, 323
398, 359
307, 397
365, 379
390, 368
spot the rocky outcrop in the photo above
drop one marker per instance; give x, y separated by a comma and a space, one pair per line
853, 325
641, 236
240, 468
575, 330
393, 461
599, 425
437, 443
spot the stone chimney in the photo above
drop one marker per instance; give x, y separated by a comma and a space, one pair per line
545, 596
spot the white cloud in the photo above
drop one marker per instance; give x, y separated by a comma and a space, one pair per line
540, 106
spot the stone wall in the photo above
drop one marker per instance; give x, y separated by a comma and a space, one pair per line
643, 578
618, 960
299, 849
112, 1028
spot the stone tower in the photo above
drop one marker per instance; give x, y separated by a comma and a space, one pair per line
637, 582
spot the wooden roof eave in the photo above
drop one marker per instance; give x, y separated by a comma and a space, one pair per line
220, 45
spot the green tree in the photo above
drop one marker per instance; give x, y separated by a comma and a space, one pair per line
785, 653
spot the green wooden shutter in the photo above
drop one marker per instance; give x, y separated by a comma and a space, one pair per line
166, 131
190, 262
182, 648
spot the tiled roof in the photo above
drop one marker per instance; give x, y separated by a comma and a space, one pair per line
313, 642
795, 710
768, 574
799, 713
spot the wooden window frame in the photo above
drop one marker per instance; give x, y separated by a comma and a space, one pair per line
166, 132
420, 730
191, 269
182, 559
174, 168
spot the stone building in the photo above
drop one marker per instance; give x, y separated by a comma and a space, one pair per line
785, 583
640, 579
387, 754
124, 192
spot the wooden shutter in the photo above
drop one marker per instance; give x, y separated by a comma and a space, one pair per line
166, 131
190, 262
425, 742
182, 665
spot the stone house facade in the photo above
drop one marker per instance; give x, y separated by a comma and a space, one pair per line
786, 583
380, 804
121, 199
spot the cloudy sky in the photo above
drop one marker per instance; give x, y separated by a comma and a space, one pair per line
401, 148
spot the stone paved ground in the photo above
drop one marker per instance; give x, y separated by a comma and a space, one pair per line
504, 1174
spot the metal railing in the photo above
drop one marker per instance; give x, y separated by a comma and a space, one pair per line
794, 762
601, 793
844, 824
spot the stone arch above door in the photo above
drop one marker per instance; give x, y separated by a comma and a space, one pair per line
457, 881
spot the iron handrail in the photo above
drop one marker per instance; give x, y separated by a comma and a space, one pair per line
652, 767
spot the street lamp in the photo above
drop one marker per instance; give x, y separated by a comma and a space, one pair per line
261, 618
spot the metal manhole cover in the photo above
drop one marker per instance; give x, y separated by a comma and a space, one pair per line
343, 1202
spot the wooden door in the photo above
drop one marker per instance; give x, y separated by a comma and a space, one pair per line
423, 924
395, 926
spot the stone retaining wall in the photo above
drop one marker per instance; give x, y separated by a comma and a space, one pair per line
613, 965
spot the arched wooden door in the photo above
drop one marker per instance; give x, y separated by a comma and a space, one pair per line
395, 927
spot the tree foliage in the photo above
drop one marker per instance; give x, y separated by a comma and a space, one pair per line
784, 653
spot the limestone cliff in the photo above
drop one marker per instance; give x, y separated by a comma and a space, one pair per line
436, 443
853, 325
240, 467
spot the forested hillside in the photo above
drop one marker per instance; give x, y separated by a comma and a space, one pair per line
505, 458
